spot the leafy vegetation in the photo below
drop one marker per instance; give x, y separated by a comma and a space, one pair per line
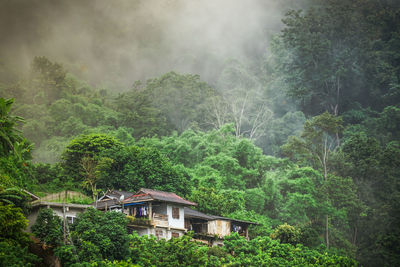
48, 227
14, 240
96, 236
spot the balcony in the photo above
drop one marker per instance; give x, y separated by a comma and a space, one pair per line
158, 220
139, 221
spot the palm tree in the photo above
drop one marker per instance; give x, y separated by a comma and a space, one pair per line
11, 195
9, 135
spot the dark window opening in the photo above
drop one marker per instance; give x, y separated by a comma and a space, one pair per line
70, 219
141, 211
175, 213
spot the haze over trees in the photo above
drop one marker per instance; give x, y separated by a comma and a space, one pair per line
296, 127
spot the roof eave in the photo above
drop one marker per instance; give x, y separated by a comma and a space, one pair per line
59, 204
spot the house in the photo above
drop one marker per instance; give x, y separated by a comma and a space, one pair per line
166, 215
59, 203
69, 211
112, 200
151, 212
158, 213
212, 228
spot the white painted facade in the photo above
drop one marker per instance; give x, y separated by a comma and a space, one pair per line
219, 227
176, 223
166, 227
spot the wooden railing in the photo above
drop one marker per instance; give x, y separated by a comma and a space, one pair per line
157, 216
160, 219
139, 221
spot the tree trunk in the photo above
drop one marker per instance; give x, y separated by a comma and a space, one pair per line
94, 192
355, 235
327, 231
326, 179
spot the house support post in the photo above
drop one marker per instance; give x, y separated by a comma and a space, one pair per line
150, 211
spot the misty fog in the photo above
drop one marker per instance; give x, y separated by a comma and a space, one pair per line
113, 43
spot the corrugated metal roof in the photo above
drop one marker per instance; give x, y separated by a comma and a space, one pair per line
110, 194
230, 219
39, 203
151, 194
109, 202
126, 194
191, 213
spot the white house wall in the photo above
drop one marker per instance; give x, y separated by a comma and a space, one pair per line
72, 212
219, 227
176, 223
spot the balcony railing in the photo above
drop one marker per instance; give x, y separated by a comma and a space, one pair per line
139, 221
157, 220
160, 219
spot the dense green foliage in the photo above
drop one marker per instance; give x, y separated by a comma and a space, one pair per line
48, 227
133, 167
96, 236
261, 251
83, 147
14, 154
13, 240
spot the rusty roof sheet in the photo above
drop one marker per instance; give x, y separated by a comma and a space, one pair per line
191, 213
215, 217
145, 194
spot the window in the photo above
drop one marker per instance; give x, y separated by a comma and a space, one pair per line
70, 219
159, 234
174, 234
175, 213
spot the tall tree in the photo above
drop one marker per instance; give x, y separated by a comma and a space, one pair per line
133, 167
181, 98
240, 101
49, 78
322, 53
86, 146
89, 167
317, 143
